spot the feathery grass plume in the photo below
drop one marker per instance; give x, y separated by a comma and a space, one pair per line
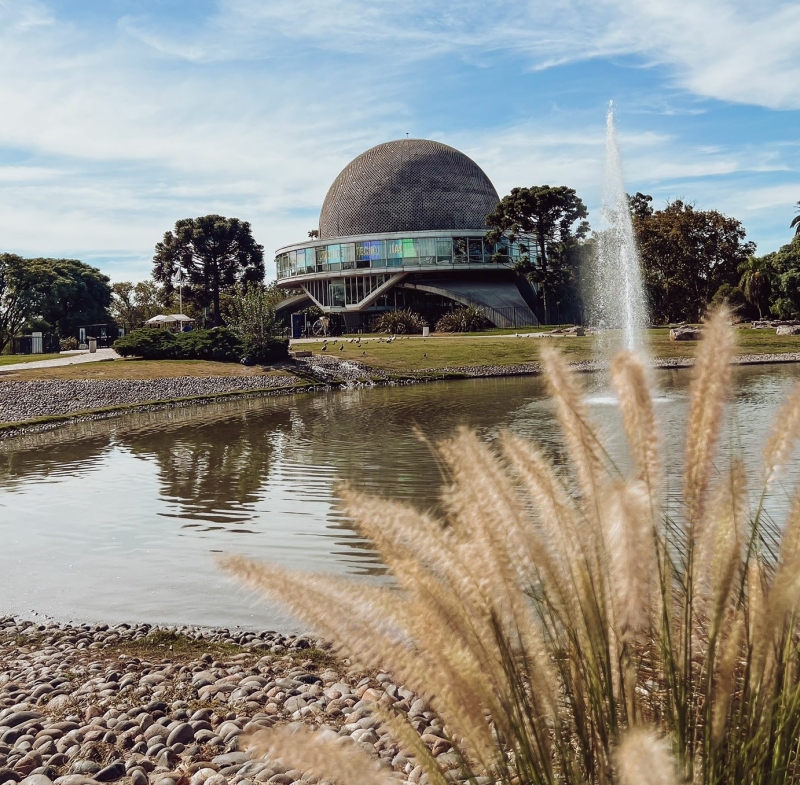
584, 443
709, 392
645, 759
629, 378
719, 545
317, 754
783, 437
729, 664
629, 538
560, 624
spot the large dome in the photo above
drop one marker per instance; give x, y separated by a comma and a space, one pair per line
410, 185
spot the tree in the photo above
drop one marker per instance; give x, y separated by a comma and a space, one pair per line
783, 269
64, 293
251, 316
755, 283
686, 255
641, 205
548, 215
20, 296
132, 304
796, 221
75, 294
213, 255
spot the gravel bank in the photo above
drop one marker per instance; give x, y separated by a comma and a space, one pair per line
26, 400
156, 706
22, 401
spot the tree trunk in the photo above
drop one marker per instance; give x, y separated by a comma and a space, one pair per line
215, 279
543, 262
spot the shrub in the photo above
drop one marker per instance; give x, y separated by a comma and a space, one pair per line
576, 629
463, 320
251, 316
68, 344
148, 344
401, 322
218, 344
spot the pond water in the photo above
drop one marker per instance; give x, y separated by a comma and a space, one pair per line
121, 520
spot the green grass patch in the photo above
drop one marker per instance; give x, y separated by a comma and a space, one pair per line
13, 359
407, 355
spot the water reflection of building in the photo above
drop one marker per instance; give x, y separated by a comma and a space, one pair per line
403, 225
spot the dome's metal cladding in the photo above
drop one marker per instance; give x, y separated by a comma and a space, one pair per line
410, 185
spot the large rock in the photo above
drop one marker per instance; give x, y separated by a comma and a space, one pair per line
685, 334
788, 329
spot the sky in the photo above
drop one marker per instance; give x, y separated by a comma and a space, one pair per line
119, 117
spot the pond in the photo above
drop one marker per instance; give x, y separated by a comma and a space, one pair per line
120, 520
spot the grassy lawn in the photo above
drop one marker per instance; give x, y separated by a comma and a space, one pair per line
451, 350
13, 359
137, 369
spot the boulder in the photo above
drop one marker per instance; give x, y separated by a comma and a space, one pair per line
685, 334
577, 330
788, 329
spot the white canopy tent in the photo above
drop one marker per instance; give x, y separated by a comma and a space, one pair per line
167, 320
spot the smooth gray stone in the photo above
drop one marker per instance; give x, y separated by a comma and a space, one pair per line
37, 779
182, 734
231, 759
114, 771
138, 777
84, 767
19, 717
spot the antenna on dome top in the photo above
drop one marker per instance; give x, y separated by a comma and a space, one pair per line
406, 134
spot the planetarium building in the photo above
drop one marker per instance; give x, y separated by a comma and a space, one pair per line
403, 226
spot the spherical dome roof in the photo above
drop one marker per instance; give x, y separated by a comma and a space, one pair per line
410, 185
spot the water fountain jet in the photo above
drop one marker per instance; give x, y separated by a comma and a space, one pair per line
618, 300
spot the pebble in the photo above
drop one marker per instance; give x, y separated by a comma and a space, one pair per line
132, 712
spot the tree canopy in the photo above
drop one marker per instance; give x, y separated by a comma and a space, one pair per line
74, 294
135, 303
686, 255
553, 218
213, 255
64, 293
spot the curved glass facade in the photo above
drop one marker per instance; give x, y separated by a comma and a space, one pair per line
384, 254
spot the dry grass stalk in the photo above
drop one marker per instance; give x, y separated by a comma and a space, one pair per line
317, 754
783, 437
712, 374
645, 759
565, 630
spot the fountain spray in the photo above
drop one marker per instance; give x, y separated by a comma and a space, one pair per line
618, 296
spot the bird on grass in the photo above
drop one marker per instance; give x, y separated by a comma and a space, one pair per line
341, 348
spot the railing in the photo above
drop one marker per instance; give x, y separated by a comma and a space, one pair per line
511, 316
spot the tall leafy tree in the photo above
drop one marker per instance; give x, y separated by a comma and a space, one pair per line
75, 293
20, 296
213, 254
755, 283
783, 269
686, 255
552, 218
64, 293
134, 303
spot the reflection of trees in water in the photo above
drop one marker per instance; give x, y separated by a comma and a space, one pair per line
213, 470
21, 462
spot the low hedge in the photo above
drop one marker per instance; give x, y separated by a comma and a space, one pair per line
219, 344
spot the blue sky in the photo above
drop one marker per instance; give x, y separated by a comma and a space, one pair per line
117, 117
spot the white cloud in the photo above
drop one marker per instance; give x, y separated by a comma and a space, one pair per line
112, 135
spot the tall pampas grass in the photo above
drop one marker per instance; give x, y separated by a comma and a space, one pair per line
564, 623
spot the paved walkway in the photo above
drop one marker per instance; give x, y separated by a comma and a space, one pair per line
66, 358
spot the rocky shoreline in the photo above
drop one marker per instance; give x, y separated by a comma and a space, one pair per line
22, 403
142, 705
